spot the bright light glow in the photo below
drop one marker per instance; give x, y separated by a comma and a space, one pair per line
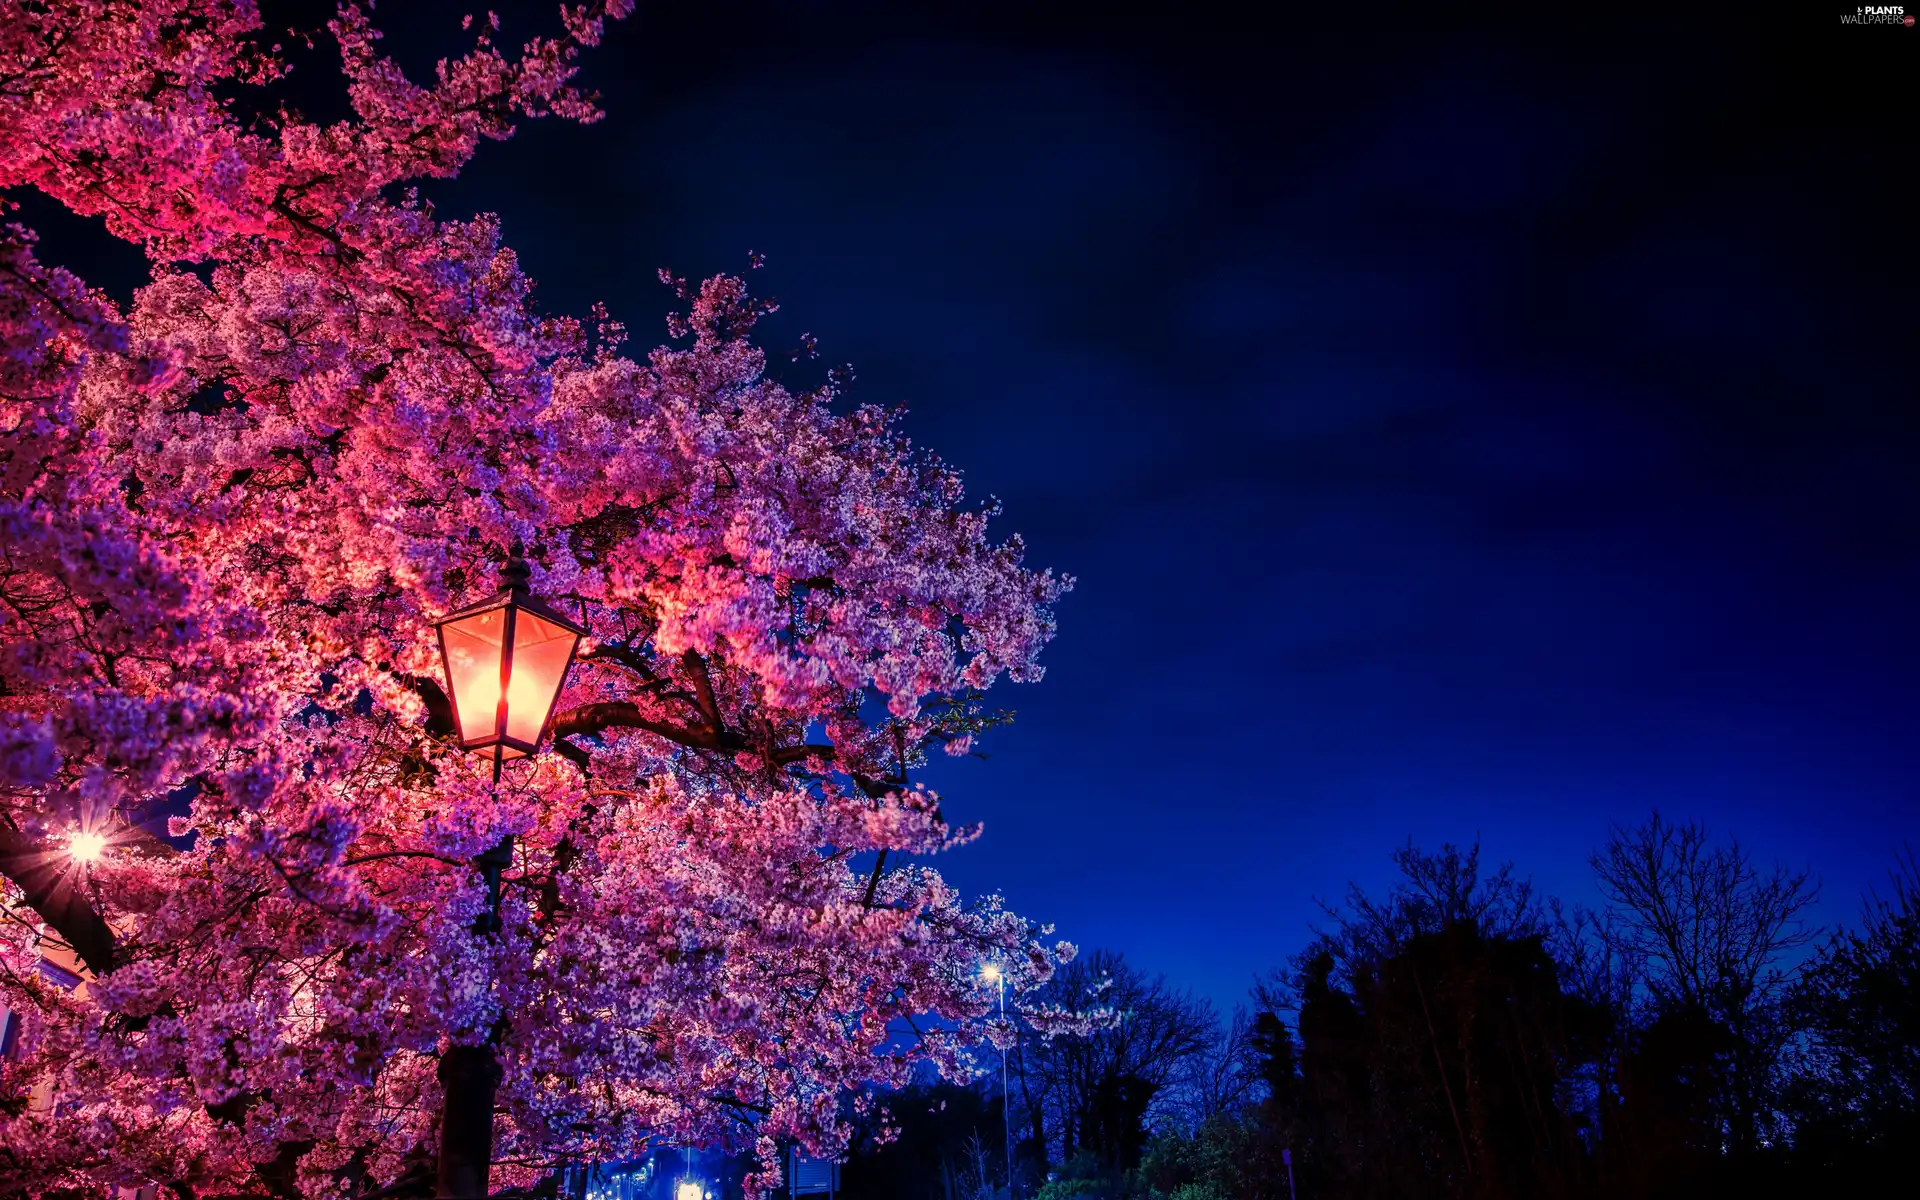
473, 663
541, 651
688, 1190
86, 846
540, 654
990, 972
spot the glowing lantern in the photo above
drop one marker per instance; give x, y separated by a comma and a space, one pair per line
506, 659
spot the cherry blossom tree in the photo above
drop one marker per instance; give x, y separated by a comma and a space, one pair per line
230, 513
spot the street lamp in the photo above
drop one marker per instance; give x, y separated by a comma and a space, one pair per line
506, 658
991, 973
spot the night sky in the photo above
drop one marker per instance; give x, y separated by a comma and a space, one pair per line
1487, 429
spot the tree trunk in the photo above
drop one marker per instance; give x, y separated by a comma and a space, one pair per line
470, 1075
1034, 1116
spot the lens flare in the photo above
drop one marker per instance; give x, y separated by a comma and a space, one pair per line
86, 846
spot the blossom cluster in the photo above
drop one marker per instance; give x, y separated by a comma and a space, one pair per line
229, 513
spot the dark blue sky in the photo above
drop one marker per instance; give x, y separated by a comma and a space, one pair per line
1484, 429
1455, 431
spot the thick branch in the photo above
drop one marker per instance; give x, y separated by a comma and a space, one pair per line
875, 789
596, 718
703, 689
626, 656
574, 753
873, 880
439, 708
793, 754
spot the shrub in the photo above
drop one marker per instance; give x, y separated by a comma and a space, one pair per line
1070, 1189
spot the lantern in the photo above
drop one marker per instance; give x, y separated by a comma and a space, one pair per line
506, 659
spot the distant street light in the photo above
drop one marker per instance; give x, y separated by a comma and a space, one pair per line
506, 659
690, 1188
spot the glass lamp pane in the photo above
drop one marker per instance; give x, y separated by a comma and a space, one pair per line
540, 653
473, 668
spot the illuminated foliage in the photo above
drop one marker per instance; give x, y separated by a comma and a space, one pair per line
230, 513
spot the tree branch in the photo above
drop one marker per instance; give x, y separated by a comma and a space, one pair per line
703, 689
873, 880
574, 753
439, 708
626, 656
793, 754
596, 718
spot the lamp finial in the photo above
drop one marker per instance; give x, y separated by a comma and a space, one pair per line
516, 574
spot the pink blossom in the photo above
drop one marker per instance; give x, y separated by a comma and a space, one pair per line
230, 513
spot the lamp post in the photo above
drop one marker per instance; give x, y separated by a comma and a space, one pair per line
506, 659
992, 973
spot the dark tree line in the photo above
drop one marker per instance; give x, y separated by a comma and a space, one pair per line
1463, 1037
